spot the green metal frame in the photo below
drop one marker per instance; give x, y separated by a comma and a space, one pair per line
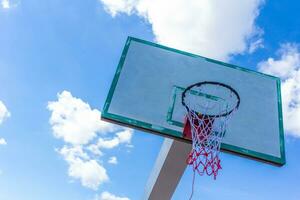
178, 135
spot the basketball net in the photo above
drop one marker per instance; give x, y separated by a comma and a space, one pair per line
206, 143
205, 124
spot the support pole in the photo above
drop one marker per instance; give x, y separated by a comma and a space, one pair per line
168, 169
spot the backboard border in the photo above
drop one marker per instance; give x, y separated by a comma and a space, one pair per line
105, 115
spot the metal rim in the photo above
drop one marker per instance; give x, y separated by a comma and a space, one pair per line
211, 83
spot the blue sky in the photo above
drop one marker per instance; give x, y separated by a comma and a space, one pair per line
57, 60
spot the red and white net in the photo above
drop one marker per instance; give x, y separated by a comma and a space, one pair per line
209, 106
207, 134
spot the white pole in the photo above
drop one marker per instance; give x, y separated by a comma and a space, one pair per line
168, 169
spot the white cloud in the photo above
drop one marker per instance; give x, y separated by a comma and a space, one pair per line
121, 137
287, 67
9, 4
210, 28
256, 45
113, 160
5, 4
108, 196
72, 153
2, 141
95, 149
82, 130
115, 6
125, 136
74, 121
4, 113
108, 143
89, 171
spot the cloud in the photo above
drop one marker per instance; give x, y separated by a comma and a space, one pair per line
85, 136
8, 4
2, 141
93, 148
81, 166
121, 137
256, 45
108, 196
5, 4
115, 6
287, 67
74, 121
113, 160
108, 143
210, 28
90, 172
4, 113
73, 153
125, 136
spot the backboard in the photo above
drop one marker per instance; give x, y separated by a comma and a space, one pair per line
146, 94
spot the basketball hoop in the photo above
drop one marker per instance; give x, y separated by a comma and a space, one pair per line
209, 106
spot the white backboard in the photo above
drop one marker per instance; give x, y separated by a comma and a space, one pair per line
146, 94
